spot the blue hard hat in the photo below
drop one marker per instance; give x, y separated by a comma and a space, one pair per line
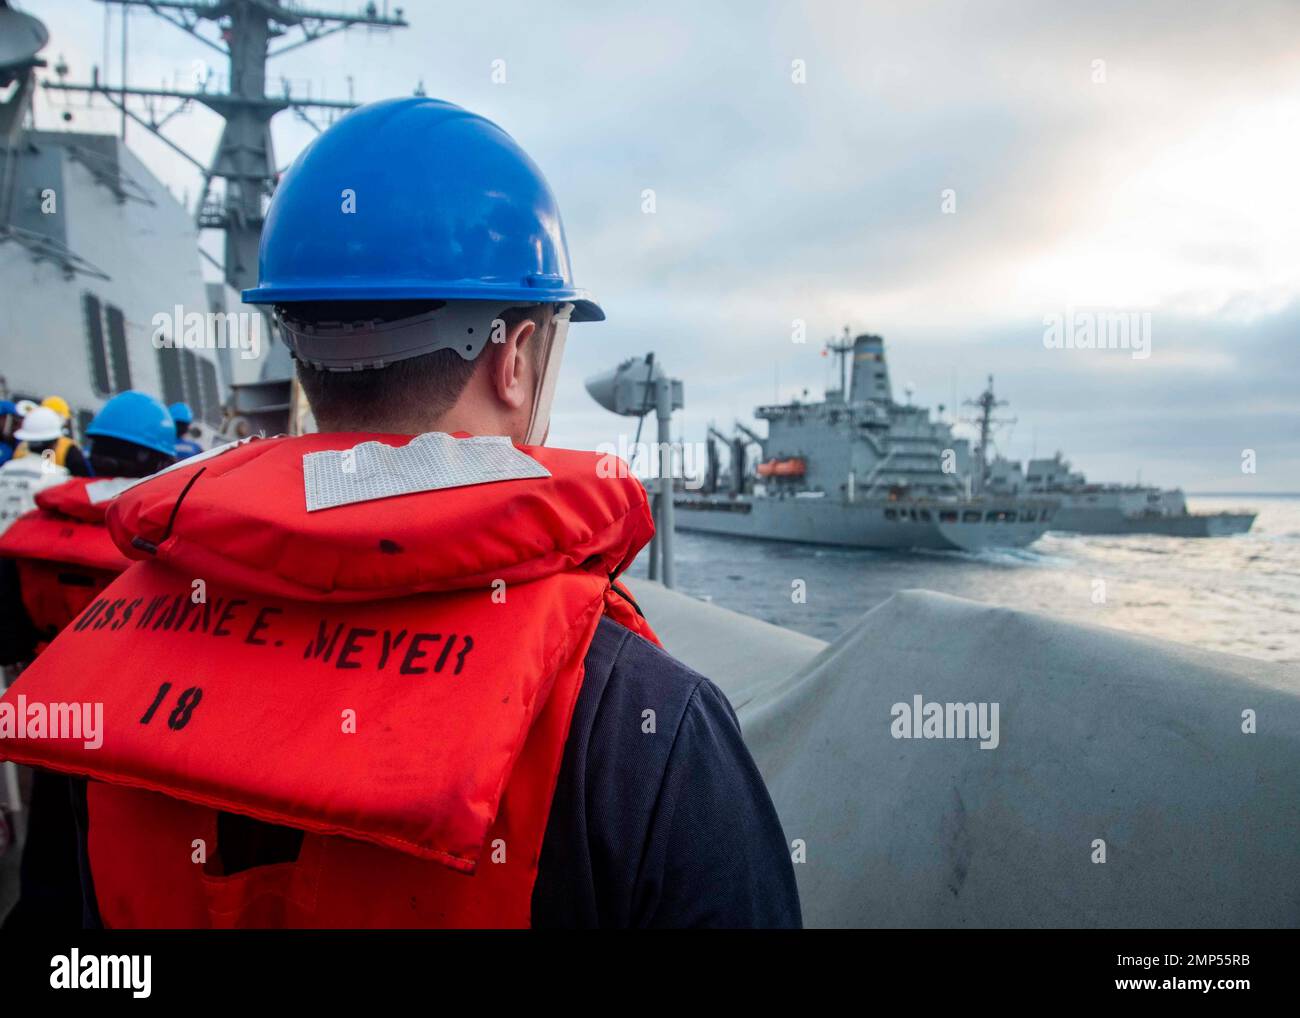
181, 413
444, 206
134, 416
8, 408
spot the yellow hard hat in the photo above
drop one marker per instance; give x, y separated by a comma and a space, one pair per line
59, 405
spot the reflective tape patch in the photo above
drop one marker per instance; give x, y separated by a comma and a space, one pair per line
429, 462
111, 487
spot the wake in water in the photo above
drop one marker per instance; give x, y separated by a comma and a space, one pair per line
1238, 594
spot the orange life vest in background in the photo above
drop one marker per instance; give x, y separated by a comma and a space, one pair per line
394, 677
65, 555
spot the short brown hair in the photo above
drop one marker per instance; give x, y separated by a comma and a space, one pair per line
426, 386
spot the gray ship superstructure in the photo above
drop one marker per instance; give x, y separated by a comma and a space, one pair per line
862, 470
1088, 508
92, 247
126, 233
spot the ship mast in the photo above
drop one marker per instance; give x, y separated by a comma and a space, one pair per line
245, 158
841, 348
986, 404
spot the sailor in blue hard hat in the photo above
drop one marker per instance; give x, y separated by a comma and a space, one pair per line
417, 266
451, 239
133, 435
184, 418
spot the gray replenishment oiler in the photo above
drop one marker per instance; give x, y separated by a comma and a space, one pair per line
862, 470
1088, 508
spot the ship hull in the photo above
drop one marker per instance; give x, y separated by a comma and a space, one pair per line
868, 524
1112, 521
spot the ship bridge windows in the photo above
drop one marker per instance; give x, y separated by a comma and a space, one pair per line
999, 516
211, 400
187, 377
169, 370
117, 348
948, 516
970, 516
190, 371
93, 313
110, 364
191, 378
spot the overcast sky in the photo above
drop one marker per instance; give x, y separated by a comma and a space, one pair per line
1136, 157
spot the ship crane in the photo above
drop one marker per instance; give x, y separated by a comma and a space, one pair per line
736, 447
748, 434
738, 450
986, 404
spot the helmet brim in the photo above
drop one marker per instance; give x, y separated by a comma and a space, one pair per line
585, 309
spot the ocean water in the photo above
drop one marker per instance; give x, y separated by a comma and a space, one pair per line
1239, 594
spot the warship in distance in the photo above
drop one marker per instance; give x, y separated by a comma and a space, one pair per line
1088, 508
861, 470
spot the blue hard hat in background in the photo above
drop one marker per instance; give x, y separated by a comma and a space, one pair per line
134, 416
8, 408
412, 199
181, 413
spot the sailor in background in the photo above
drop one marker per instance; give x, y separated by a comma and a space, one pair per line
53, 562
34, 465
184, 417
416, 694
10, 421
44, 434
53, 424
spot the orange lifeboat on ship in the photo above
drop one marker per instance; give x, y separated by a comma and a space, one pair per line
782, 468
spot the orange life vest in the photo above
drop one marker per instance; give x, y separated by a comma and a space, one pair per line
393, 677
65, 555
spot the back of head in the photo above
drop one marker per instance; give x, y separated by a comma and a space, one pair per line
183, 416
406, 396
132, 436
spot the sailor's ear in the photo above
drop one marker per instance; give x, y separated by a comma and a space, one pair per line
512, 366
